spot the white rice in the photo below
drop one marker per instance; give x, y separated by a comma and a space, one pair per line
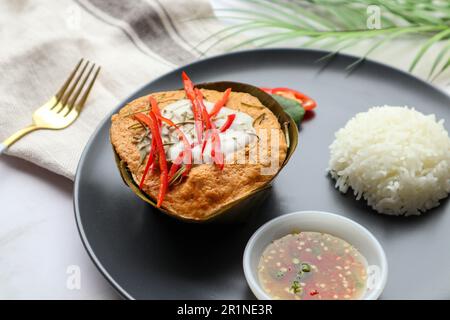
396, 158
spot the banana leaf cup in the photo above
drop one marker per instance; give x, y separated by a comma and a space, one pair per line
238, 209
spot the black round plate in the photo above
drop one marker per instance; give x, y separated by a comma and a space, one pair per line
147, 255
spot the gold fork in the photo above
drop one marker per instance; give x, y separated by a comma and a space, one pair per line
65, 106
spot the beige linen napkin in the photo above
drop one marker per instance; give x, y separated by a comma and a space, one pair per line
133, 41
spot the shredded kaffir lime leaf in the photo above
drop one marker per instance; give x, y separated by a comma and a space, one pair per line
306, 267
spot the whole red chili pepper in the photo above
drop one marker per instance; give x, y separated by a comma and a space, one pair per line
228, 123
216, 153
219, 104
206, 117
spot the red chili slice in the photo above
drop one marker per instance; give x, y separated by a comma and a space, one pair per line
154, 107
162, 158
205, 115
314, 292
188, 86
216, 153
187, 147
149, 164
205, 141
176, 164
152, 122
190, 93
219, 104
202, 117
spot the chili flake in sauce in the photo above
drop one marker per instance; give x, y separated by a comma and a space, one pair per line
312, 266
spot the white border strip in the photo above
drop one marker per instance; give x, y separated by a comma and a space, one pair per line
130, 32
3, 147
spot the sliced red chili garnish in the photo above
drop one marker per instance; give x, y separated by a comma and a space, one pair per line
219, 104
313, 292
176, 164
307, 102
201, 114
190, 93
188, 86
201, 117
151, 157
206, 117
156, 134
268, 90
154, 107
228, 123
216, 153
149, 164
152, 122
205, 141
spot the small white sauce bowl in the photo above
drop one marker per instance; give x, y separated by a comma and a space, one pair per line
318, 221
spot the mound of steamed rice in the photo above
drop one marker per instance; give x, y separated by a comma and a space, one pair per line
396, 158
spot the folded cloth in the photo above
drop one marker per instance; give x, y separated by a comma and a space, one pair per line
134, 42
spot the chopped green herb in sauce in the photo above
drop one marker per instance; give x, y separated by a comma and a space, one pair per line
296, 287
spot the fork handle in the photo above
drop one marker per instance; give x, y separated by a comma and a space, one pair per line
16, 136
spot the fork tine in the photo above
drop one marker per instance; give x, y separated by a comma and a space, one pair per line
73, 99
61, 91
79, 105
73, 85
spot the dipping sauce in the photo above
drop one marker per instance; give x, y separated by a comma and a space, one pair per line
312, 266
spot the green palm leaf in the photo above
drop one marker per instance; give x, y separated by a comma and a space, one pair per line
444, 67
439, 36
384, 40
